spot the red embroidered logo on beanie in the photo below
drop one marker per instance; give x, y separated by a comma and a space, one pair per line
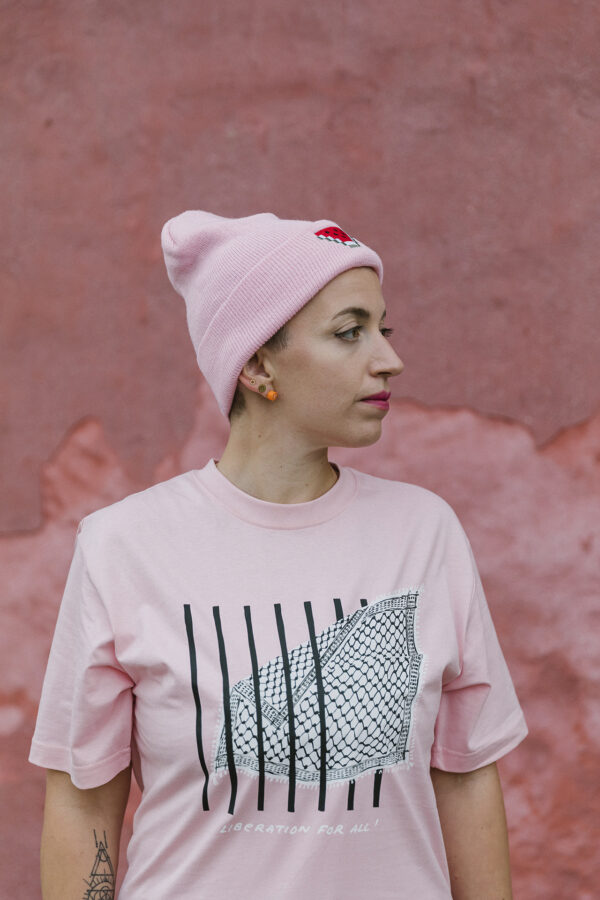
333, 233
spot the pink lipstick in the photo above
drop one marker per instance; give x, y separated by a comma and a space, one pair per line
382, 404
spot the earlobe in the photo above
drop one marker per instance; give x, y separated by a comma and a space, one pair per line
270, 395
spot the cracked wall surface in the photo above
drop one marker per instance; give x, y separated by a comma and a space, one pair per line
460, 141
532, 518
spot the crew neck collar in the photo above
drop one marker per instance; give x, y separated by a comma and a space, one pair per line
278, 515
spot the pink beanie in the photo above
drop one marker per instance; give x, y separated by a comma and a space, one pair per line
242, 279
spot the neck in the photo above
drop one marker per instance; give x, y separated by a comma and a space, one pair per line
279, 477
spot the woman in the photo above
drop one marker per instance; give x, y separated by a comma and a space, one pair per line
295, 658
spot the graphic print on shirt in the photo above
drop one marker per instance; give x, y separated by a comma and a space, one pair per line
331, 709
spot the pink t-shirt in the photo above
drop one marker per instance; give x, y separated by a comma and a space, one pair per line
282, 676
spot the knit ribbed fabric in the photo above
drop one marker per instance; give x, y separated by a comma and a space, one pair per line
242, 279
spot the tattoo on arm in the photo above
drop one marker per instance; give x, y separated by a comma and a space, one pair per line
101, 884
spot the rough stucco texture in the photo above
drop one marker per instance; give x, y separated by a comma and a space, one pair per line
460, 140
532, 519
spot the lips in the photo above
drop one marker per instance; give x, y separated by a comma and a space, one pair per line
382, 395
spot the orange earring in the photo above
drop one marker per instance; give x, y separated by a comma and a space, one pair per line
272, 395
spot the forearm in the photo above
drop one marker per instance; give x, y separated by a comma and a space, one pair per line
80, 837
473, 820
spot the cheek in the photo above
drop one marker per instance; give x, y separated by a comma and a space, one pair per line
310, 368
320, 376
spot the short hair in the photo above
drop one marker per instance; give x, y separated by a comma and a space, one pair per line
278, 341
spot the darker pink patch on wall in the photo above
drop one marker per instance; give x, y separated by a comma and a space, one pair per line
459, 141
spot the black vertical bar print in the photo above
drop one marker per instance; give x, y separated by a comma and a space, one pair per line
322, 723
377, 786
351, 787
290, 708
226, 709
379, 773
259, 733
339, 614
194, 673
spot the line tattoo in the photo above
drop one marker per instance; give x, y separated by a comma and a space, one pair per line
101, 884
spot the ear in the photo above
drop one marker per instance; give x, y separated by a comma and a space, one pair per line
256, 367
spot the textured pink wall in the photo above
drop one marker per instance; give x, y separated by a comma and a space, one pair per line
458, 139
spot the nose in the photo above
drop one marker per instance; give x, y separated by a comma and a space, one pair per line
388, 361
399, 368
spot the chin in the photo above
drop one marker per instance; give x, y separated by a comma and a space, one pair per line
355, 440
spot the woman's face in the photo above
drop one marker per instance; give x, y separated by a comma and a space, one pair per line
333, 359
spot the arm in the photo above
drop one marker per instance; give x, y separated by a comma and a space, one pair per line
81, 827
473, 820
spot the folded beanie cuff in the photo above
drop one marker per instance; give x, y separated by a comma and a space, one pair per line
250, 309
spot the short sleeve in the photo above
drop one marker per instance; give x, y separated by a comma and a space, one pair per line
84, 719
480, 718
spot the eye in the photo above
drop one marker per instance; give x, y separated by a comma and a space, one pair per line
350, 331
385, 332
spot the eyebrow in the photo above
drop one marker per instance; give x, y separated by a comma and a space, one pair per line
357, 311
